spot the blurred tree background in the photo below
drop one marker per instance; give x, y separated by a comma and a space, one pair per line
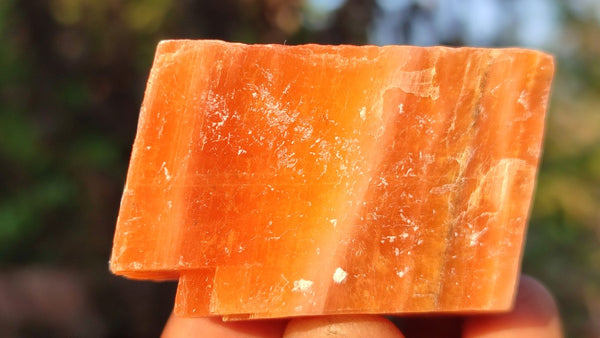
72, 76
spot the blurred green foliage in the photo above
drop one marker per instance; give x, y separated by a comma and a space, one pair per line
72, 75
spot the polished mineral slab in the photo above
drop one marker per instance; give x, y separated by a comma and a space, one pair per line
278, 181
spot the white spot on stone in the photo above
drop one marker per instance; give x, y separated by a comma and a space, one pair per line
298, 308
333, 222
522, 101
241, 151
363, 113
402, 272
339, 275
390, 238
302, 285
286, 160
305, 130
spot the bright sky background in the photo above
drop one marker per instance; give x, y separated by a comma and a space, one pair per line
533, 23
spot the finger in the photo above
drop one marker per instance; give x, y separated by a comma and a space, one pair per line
215, 327
349, 326
534, 316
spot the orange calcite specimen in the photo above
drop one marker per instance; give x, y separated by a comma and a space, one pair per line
278, 181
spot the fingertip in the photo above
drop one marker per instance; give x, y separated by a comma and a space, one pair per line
535, 315
349, 326
178, 327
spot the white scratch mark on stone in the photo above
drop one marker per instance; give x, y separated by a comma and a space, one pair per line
474, 238
302, 285
442, 189
501, 175
166, 171
419, 82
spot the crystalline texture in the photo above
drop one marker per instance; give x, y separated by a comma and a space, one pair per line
279, 181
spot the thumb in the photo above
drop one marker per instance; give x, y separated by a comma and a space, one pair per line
534, 316
349, 326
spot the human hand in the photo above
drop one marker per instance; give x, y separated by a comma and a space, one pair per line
534, 316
